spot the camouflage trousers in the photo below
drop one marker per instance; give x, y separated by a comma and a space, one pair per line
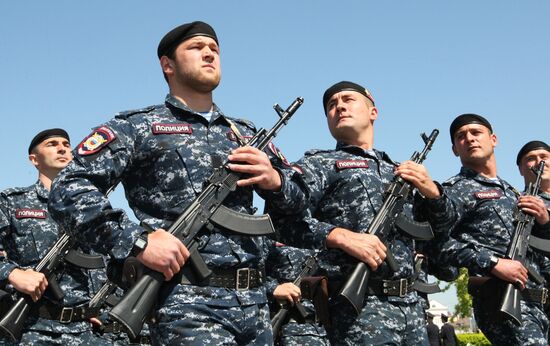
201, 324
306, 334
379, 323
50, 338
533, 331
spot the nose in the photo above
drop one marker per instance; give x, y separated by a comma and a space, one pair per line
340, 106
207, 54
469, 137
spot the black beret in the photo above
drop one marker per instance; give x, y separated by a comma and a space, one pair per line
465, 119
171, 40
49, 133
533, 145
345, 85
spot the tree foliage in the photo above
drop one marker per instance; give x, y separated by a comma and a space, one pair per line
464, 306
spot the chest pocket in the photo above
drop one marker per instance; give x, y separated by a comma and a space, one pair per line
352, 199
33, 238
200, 156
499, 212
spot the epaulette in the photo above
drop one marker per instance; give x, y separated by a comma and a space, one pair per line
453, 180
317, 151
244, 122
17, 190
126, 114
387, 158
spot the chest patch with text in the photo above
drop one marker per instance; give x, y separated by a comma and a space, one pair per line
30, 214
491, 194
349, 164
171, 129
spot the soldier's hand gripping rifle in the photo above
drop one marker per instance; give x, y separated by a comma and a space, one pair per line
207, 208
12, 323
390, 214
510, 307
280, 317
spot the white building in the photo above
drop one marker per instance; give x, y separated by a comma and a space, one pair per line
436, 309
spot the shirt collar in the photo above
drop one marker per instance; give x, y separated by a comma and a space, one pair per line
378, 154
173, 101
41, 191
470, 173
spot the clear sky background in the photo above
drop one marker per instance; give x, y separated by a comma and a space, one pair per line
75, 64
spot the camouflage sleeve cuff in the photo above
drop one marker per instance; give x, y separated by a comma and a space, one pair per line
5, 270
127, 238
289, 199
436, 204
483, 261
270, 286
322, 233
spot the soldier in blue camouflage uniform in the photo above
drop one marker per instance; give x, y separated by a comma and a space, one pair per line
27, 232
479, 209
530, 155
162, 155
346, 188
284, 264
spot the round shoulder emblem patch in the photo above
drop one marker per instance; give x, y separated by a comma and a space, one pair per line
96, 141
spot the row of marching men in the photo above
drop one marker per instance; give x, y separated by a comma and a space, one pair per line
195, 268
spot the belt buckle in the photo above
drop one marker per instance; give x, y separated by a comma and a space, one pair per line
66, 311
544, 296
403, 286
242, 271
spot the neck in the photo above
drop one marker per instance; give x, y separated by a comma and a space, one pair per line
197, 101
46, 181
46, 178
364, 140
487, 168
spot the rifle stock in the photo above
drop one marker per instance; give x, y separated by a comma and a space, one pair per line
355, 288
140, 299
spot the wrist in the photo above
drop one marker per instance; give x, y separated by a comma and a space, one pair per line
140, 244
336, 238
493, 261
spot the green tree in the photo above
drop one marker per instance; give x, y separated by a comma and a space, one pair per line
464, 306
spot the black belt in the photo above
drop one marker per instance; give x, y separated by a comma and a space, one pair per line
536, 295
67, 314
239, 279
399, 288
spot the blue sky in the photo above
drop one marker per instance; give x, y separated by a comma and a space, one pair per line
75, 64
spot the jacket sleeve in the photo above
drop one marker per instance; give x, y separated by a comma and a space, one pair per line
6, 265
445, 214
78, 199
303, 229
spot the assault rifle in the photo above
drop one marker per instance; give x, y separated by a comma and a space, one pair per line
280, 317
12, 323
389, 215
205, 210
510, 305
